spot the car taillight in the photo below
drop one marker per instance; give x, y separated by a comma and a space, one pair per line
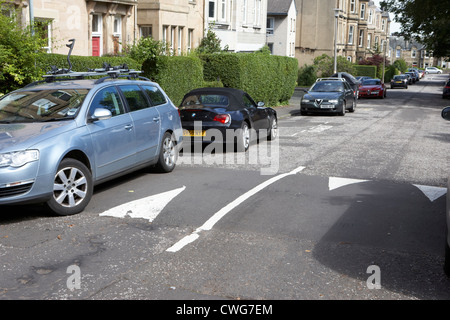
222, 118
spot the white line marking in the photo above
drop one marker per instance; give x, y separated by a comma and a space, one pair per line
146, 208
334, 183
432, 193
222, 212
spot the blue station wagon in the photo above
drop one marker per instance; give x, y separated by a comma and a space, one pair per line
60, 138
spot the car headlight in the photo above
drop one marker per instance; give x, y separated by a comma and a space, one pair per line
333, 101
18, 158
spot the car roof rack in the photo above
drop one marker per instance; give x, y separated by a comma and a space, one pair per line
110, 72
330, 78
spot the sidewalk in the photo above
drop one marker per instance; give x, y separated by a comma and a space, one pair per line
293, 107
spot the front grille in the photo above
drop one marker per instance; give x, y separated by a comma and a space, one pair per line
12, 191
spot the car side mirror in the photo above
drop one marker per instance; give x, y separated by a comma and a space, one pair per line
101, 114
261, 104
446, 113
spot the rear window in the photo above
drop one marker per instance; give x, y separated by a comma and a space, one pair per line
156, 96
206, 100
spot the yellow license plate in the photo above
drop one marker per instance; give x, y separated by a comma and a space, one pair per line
194, 133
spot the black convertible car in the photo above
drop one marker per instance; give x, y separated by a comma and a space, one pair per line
226, 115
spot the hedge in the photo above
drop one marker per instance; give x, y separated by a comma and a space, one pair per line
265, 77
177, 75
366, 70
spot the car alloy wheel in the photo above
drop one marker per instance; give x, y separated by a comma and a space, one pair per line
72, 188
168, 154
273, 130
243, 142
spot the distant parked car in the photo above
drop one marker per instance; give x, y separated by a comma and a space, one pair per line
432, 70
205, 112
421, 73
400, 81
414, 77
362, 78
351, 80
372, 88
329, 95
446, 90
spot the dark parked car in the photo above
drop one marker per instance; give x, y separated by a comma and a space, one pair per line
446, 116
400, 80
351, 80
226, 115
446, 90
372, 88
330, 95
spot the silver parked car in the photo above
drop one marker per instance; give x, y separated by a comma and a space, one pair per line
61, 137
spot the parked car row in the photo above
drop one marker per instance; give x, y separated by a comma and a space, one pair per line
62, 136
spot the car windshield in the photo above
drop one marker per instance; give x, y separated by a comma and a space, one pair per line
371, 82
41, 105
328, 86
399, 77
205, 100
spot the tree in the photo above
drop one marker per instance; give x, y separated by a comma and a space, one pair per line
325, 64
19, 49
426, 21
210, 43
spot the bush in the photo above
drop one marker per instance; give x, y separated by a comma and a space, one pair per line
366, 70
19, 48
307, 75
177, 75
267, 78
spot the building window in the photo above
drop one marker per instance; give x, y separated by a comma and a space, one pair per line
270, 25
361, 38
212, 9
413, 53
370, 16
257, 18
45, 28
350, 34
352, 6
369, 41
145, 31
180, 40
223, 15
363, 11
117, 34
383, 25
244, 11
398, 53
190, 40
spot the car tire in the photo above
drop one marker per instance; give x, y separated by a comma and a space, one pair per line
344, 108
353, 107
168, 154
72, 188
243, 138
273, 129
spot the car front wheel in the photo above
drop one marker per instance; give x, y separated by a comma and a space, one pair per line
72, 188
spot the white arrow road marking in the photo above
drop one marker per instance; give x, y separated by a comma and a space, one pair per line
334, 183
222, 212
432, 193
146, 208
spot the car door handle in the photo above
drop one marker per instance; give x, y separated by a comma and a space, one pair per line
128, 127
156, 119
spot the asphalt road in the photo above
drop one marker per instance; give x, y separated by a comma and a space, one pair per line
337, 208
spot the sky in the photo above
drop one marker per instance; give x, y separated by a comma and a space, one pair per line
394, 25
